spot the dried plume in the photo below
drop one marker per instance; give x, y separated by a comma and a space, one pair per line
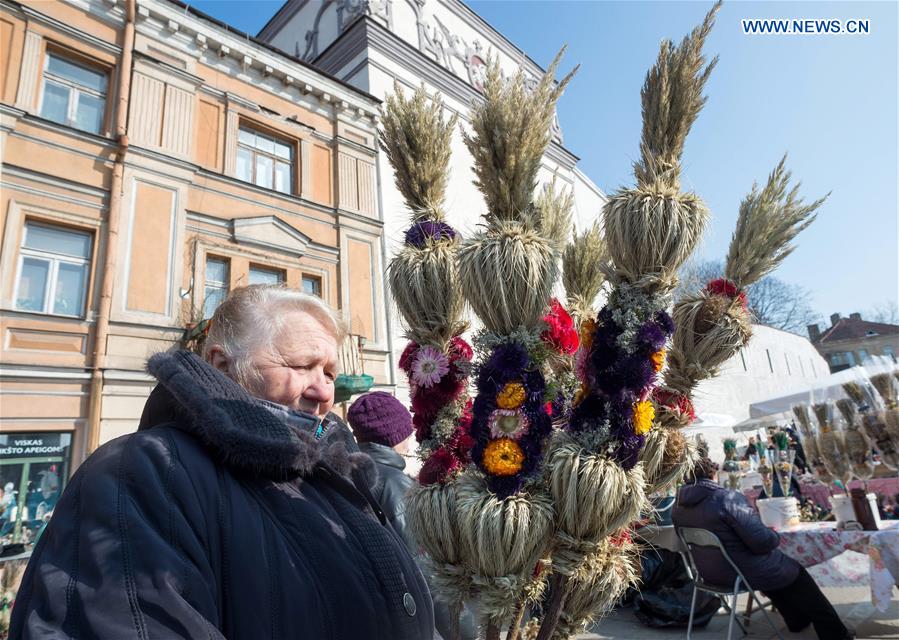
552, 213
510, 132
769, 220
671, 100
582, 270
416, 138
507, 272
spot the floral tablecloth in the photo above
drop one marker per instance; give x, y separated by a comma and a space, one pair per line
815, 545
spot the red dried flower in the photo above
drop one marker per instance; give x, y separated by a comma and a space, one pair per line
560, 331
724, 287
459, 350
408, 356
676, 402
438, 467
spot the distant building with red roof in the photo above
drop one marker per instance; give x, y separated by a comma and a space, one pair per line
850, 341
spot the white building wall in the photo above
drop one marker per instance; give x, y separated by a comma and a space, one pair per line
749, 377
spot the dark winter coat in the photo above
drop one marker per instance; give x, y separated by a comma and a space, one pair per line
750, 544
389, 491
220, 521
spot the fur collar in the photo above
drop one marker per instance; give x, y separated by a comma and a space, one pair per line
240, 431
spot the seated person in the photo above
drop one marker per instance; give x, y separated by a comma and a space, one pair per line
704, 504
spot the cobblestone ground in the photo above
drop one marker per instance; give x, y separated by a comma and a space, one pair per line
853, 605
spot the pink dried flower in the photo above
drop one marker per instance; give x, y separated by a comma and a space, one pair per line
429, 367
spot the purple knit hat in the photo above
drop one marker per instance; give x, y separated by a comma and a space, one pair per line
380, 418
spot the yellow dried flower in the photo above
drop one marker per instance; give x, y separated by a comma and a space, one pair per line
512, 396
658, 360
644, 414
503, 457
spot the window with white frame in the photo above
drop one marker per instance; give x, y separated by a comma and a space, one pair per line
53, 270
312, 285
74, 94
264, 275
264, 160
216, 285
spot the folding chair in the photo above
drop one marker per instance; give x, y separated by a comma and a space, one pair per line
693, 537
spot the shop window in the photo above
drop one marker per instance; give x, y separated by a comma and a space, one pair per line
263, 275
73, 93
312, 285
53, 270
216, 285
265, 160
33, 472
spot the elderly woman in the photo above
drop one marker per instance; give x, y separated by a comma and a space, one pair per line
235, 511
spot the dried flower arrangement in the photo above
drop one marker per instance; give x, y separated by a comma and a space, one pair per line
437, 361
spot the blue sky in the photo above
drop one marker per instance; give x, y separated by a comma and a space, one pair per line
830, 101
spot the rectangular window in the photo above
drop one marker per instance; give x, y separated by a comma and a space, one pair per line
743, 359
74, 94
787, 360
265, 160
862, 355
263, 275
850, 358
54, 264
312, 285
770, 364
216, 287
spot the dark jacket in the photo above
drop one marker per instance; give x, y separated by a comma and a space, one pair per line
220, 521
390, 490
750, 544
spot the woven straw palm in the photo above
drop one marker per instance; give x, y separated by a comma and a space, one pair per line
710, 327
502, 541
593, 496
425, 286
596, 588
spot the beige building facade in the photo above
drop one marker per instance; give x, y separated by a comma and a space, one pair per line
851, 341
153, 159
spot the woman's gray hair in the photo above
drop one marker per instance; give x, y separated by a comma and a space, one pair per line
252, 317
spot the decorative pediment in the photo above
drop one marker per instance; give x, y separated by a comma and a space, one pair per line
270, 233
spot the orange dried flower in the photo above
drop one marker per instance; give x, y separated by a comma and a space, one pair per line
588, 327
503, 457
512, 396
658, 360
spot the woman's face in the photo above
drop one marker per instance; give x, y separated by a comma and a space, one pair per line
300, 368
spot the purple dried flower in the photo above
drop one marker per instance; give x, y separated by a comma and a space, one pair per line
506, 362
505, 486
651, 336
665, 322
420, 232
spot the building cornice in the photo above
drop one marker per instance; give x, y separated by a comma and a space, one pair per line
203, 36
32, 15
365, 33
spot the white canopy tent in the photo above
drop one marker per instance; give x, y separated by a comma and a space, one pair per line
829, 388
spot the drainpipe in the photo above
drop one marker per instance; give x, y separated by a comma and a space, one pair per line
107, 269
